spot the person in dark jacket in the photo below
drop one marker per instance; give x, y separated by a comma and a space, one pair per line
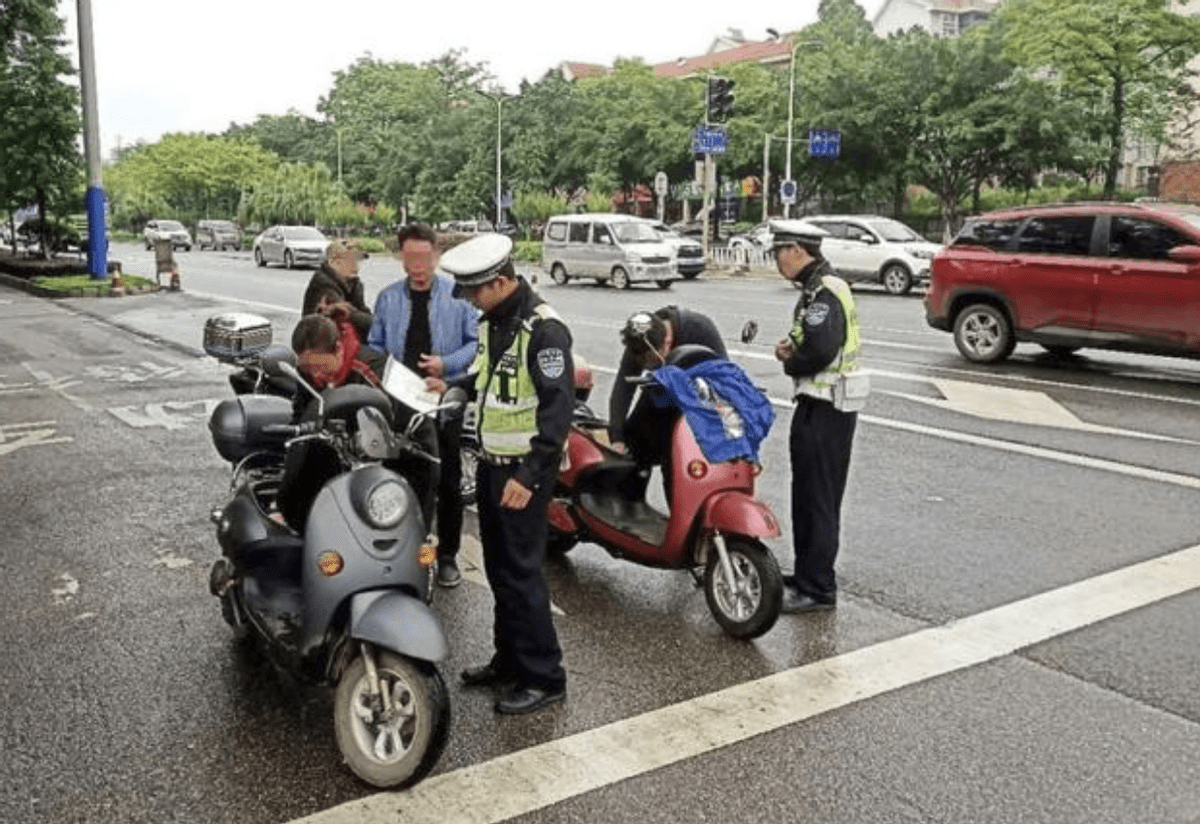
645, 433
822, 345
339, 271
523, 382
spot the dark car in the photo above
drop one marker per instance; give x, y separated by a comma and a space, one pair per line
1071, 276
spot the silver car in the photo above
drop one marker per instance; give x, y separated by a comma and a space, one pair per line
171, 230
290, 245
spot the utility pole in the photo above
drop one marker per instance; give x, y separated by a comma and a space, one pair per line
94, 199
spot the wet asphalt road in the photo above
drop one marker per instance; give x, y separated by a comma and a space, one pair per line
126, 700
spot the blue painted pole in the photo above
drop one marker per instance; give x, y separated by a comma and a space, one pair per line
94, 199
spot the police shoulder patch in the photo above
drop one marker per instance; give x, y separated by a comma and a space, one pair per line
816, 314
552, 362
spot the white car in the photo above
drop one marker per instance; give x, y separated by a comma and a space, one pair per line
171, 230
689, 255
290, 245
874, 249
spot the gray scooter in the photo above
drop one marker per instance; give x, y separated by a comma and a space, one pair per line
345, 601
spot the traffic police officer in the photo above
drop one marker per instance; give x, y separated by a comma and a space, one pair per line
523, 381
821, 348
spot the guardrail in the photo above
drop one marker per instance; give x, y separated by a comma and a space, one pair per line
741, 257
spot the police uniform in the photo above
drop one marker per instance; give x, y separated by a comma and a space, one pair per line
825, 341
523, 382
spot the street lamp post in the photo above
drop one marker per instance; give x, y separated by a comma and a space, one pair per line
498, 99
787, 174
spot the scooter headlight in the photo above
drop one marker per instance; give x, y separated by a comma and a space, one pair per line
386, 504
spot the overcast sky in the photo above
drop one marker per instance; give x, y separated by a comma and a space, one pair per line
164, 66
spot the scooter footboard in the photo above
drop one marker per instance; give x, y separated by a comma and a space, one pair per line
741, 514
398, 622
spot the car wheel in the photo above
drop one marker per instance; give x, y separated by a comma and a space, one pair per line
691, 275
984, 334
149, 246
258, 257
896, 279
663, 284
558, 274
620, 278
289, 262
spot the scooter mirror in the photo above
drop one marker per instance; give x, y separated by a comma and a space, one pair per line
749, 331
374, 435
453, 404
294, 373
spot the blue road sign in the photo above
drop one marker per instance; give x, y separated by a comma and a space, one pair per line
709, 140
787, 191
824, 143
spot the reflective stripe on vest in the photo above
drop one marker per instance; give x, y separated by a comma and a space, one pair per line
506, 412
821, 384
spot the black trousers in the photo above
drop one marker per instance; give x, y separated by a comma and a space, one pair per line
820, 445
648, 436
449, 497
514, 548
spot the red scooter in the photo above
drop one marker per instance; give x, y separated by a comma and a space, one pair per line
714, 530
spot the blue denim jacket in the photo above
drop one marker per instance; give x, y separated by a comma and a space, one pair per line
453, 324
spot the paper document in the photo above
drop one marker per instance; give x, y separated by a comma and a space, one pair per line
407, 386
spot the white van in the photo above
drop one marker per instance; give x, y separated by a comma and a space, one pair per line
620, 249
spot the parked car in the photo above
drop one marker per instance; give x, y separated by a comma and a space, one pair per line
612, 248
466, 227
689, 254
874, 249
171, 230
290, 245
757, 238
1071, 276
218, 234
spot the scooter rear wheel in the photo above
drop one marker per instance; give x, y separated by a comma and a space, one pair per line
747, 606
398, 749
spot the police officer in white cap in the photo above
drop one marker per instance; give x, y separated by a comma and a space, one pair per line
821, 346
523, 381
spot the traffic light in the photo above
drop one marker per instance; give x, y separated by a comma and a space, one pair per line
720, 99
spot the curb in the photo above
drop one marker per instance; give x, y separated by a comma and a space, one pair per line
32, 288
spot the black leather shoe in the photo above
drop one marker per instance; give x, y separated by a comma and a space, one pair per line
485, 676
794, 602
447, 573
528, 699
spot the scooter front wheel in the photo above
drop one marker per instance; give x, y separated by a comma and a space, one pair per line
748, 605
395, 742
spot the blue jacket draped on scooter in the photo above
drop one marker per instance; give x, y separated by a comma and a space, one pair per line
720, 435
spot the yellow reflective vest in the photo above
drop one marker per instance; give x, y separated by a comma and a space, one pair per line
821, 384
506, 397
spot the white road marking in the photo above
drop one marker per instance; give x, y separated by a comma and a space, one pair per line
273, 307
66, 592
999, 403
14, 436
535, 778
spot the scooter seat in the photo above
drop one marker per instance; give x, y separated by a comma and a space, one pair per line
634, 517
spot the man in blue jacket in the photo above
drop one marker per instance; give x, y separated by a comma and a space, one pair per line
421, 324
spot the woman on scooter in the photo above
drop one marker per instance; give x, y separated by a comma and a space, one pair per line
329, 355
648, 339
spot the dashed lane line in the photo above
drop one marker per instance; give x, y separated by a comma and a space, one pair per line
537, 777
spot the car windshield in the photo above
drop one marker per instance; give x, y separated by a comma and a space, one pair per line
302, 233
170, 225
635, 233
223, 225
893, 230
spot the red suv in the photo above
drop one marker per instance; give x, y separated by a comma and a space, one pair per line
1102, 275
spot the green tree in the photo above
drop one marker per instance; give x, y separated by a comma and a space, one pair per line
40, 120
1127, 57
187, 176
